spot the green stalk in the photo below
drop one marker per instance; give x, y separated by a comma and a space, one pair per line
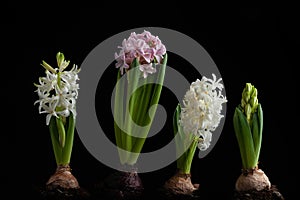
67, 150
59, 120
61, 131
58, 79
54, 139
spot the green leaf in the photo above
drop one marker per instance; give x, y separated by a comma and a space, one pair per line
119, 115
190, 155
257, 127
133, 79
244, 138
55, 141
176, 116
184, 162
67, 150
178, 133
143, 119
238, 133
150, 98
180, 138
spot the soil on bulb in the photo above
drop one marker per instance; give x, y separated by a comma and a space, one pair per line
266, 194
120, 185
60, 193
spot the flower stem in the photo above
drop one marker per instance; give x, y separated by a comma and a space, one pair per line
61, 131
59, 79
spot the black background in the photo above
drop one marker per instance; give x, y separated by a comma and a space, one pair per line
247, 43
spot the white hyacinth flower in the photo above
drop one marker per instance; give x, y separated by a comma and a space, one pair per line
201, 110
58, 90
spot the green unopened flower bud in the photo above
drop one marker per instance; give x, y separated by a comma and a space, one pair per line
248, 111
243, 103
60, 58
61, 62
249, 101
253, 100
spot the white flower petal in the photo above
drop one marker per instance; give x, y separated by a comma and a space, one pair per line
62, 96
202, 105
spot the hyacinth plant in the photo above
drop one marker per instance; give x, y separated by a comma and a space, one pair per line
141, 62
194, 123
248, 127
57, 93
